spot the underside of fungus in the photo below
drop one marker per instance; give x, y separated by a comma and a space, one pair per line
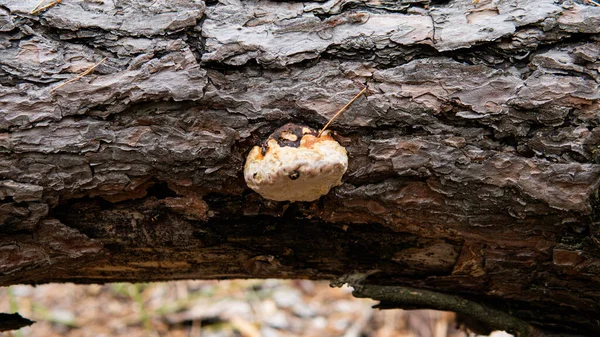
294, 164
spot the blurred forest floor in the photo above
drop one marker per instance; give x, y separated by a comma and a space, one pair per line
246, 308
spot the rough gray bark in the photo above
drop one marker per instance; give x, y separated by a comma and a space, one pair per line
473, 162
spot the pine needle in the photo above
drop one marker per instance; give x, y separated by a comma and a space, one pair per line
341, 110
37, 10
80, 75
33, 11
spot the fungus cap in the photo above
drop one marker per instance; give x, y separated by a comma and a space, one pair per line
295, 165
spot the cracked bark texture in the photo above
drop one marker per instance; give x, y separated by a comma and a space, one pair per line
474, 162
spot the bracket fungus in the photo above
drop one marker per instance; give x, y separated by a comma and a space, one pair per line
296, 164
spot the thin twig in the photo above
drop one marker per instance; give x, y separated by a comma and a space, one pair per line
341, 110
53, 3
33, 11
413, 298
80, 75
594, 2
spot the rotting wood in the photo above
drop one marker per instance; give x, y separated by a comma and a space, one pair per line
474, 164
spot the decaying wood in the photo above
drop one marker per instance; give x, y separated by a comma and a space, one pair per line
13, 322
474, 162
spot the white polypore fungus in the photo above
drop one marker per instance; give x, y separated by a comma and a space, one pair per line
296, 165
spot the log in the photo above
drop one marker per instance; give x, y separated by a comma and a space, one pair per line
474, 160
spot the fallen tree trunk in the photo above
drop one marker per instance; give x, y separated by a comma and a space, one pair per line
473, 163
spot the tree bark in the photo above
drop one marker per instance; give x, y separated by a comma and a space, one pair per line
473, 162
